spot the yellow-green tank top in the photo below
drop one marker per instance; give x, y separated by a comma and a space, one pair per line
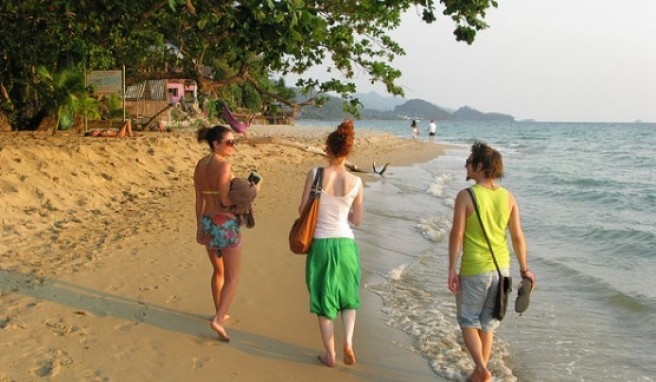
495, 213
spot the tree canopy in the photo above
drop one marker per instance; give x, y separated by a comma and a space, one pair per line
218, 44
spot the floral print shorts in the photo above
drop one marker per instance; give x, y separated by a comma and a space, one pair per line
220, 232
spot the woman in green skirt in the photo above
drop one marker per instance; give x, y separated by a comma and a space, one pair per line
332, 268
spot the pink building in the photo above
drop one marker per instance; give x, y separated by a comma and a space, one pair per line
179, 89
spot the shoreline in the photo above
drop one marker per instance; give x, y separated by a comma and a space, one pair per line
102, 278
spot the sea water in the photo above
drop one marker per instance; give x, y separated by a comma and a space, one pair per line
587, 197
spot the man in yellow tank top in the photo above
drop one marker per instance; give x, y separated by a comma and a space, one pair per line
475, 284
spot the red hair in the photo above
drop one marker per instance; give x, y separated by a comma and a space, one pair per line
340, 141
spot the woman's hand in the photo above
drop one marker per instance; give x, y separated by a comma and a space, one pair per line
199, 236
257, 186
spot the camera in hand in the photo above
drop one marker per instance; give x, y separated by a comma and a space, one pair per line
254, 177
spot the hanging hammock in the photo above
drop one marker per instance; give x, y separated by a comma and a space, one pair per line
236, 125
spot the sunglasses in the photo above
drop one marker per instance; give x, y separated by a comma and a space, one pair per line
468, 162
230, 142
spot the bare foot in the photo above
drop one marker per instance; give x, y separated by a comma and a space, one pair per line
220, 330
349, 357
225, 318
480, 375
325, 359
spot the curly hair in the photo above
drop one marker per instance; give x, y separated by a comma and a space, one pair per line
211, 134
489, 158
340, 141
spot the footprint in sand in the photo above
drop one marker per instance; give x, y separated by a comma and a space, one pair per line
146, 288
141, 315
51, 364
125, 327
173, 298
61, 328
93, 375
198, 363
11, 323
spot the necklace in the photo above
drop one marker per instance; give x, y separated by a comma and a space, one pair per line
489, 185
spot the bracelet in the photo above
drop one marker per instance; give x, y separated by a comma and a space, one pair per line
524, 271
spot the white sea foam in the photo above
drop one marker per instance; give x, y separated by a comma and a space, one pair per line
396, 273
431, 323
437, 187
434, 229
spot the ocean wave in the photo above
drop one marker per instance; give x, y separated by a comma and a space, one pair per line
431, 322
434, 229
636, 307
437, 187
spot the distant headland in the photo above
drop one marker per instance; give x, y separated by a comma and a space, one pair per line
377, 107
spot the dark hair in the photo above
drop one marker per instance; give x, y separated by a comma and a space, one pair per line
211, 134
340, 141
491, 161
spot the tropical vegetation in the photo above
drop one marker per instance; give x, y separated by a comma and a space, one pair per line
234, 50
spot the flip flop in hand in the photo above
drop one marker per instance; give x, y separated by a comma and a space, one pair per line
523, 296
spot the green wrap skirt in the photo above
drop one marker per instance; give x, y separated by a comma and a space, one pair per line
332, 275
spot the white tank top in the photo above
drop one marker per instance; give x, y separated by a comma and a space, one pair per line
333, 214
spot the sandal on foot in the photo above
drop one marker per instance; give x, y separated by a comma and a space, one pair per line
523, 296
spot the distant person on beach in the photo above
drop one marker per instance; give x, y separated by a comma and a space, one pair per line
415, 129
160, 126
217, 227
333, 263
432, 129
475, 285
125, 131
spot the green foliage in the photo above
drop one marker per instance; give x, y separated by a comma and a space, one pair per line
88, 107
114, 104
219, 44
212, 108
250, 98
63, 93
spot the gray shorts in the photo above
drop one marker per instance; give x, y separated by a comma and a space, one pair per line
475, 301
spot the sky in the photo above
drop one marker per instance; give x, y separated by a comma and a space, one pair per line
548, 60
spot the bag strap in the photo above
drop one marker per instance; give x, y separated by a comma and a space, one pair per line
480, 221
315, 192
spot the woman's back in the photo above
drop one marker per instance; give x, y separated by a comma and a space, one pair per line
339, 190
208, 173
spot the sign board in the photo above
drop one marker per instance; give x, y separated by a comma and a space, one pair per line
106, 81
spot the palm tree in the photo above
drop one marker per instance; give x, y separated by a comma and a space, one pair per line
88, 107
65, 95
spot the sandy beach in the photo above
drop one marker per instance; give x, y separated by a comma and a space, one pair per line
101, 278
